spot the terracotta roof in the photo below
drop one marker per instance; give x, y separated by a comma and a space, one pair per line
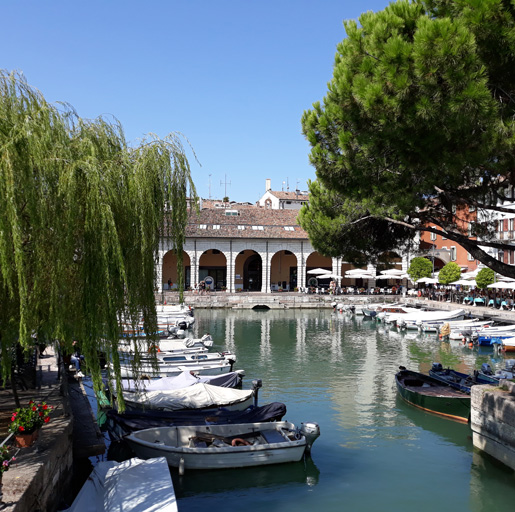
290, 196
258, 222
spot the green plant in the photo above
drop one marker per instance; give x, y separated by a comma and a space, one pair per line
485, 277
6, 459
26, 420
449, 273
419, 268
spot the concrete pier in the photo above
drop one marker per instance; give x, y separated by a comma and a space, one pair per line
492, 421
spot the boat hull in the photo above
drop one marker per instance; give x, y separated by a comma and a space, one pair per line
437, 397
171, 443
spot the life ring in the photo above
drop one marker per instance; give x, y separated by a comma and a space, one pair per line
238, 441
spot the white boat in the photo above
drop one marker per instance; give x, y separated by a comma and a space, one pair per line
415, 320
174, 309
225, 446
200, 396
183, 380
173, 370
436, 325
134, 485
461, 331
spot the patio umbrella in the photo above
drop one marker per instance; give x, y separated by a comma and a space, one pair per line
502, 285
319, 271
329, 276
428, 280
464, 282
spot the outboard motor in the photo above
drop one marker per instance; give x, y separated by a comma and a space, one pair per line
207, 340
437, 367
182, 324
311, 431
401, 324
256, 384
486, 369
230, 358
172, 332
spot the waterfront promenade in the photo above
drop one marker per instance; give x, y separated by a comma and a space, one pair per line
41, 476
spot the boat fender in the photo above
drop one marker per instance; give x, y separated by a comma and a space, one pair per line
238, 441
419, 293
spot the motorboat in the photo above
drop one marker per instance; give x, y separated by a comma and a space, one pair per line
506, 344
134, 485
225, 446
459, 380
199, 396
415, 320
490, 335
507, 373
148, 370
121, 424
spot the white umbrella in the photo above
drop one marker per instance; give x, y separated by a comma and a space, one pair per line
329, 276
464, 282
392, 271
360, 276
428, 280
319, 271
502, 285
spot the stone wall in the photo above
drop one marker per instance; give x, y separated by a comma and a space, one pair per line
493, 421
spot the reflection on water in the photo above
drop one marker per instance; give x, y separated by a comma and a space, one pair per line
338, 370
195, 483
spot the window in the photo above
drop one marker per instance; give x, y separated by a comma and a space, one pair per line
470, 257
289, 228
202, 226
433, 236
453, 253
241, 228
472, 208
257, 228
216, 226
232, 213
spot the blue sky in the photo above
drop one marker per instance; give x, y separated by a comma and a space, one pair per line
233, 76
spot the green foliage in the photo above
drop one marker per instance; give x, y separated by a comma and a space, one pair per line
485, 277
26, 420
419, 268
449, 273
81, 219
417, 121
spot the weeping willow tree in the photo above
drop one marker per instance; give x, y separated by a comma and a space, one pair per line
81, 216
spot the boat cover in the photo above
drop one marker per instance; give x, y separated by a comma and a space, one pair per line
132, 421
134, 485
198, 396
185, 379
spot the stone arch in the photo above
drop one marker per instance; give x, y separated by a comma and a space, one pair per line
248, 271
169, 270
213, 263
316, 260
283, 271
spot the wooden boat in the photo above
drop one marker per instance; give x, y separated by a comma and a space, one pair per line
459, 380
132, 485
432, 395
225, 446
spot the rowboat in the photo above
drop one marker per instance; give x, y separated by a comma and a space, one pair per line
415, 320
432, 395
132, 485
225, 446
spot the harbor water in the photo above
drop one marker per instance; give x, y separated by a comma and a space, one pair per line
375, 452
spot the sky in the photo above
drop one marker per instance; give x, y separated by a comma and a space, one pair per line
233, 76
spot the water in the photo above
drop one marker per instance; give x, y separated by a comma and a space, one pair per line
375, 452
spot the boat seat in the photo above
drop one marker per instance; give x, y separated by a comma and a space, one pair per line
273, 436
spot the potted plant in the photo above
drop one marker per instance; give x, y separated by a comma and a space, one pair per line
6, 459
26, 422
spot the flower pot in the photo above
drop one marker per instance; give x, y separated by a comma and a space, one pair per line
26, 440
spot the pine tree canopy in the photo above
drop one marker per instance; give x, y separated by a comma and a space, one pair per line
416, 127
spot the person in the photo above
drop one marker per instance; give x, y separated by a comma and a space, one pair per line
202, 287
170, 283
76, 358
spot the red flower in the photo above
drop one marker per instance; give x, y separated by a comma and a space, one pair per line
21, 429
13, 418
40, 414
47, 419
45, 407
34, 408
